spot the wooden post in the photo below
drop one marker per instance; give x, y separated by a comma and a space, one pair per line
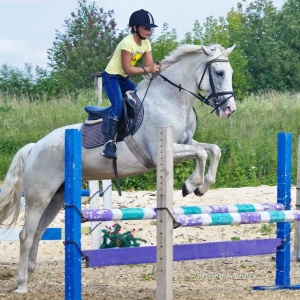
164, 247
98, 86
297, 224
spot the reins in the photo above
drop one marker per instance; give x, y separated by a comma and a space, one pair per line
202, 99
215, 103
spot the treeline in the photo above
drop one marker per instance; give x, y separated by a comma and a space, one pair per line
266, 57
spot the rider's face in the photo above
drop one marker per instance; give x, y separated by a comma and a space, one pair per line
145, 32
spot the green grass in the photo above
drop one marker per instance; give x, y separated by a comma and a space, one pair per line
248, 139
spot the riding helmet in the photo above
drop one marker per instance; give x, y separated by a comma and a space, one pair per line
141, 18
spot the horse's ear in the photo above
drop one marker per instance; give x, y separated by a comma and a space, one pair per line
208, 50
229, 50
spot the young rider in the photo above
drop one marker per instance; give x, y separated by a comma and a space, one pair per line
115, 78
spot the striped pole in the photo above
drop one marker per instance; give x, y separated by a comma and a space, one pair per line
101, 215
238, 218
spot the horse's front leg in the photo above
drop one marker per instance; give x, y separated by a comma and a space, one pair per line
210, 177
194, 150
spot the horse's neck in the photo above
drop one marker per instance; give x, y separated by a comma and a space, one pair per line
179, 74
182, 72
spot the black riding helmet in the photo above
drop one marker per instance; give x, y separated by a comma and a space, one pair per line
141, 18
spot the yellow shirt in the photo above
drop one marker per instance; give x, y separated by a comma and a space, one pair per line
128, 43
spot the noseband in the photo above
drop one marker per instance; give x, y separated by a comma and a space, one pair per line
215, 103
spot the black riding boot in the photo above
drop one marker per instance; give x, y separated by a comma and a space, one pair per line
110, 147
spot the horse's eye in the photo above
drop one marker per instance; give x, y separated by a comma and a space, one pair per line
220, 73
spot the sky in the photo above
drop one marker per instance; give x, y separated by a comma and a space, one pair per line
27, 27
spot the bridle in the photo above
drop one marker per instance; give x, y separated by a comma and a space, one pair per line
211, 100
215, 103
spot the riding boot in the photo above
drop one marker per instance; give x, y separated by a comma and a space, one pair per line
110, 147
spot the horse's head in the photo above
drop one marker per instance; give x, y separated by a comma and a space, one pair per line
215, 80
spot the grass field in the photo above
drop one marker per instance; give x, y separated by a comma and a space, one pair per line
248, 139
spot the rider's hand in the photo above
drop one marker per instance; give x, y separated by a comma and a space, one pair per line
154, 68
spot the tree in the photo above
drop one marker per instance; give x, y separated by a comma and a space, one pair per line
90, 37
238, 58
196, 37
33, 83
221, 31
16, 82
286, 37
259, 45
165, 43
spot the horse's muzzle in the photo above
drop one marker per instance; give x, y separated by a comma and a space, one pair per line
227, 109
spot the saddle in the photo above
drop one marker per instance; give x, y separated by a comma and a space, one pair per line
94, 128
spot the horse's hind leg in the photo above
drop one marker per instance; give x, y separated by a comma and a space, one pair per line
33, 216
48, 216
38, 217
37, 220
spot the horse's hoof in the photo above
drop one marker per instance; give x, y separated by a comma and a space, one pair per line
198, 193
185, 191
21, 291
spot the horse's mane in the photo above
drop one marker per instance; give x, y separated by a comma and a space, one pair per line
184, 50
180, 52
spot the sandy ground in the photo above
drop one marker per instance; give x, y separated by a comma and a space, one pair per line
230, 278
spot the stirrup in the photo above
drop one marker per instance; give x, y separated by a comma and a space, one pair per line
113, 154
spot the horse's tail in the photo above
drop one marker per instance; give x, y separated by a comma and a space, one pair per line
11, 191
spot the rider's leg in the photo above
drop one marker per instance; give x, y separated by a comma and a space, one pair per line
109, 150
115, 87
113, 91
127, 85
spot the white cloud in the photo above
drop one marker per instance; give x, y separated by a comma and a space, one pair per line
14, 47
38, 58
18, 52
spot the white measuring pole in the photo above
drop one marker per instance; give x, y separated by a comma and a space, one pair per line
94, 186
107, 198
164, 231
95, 204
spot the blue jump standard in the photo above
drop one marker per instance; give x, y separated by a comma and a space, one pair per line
283, 252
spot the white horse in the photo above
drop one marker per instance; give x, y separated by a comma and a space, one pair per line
38, 169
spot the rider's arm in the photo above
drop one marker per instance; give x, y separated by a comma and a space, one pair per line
150, 67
